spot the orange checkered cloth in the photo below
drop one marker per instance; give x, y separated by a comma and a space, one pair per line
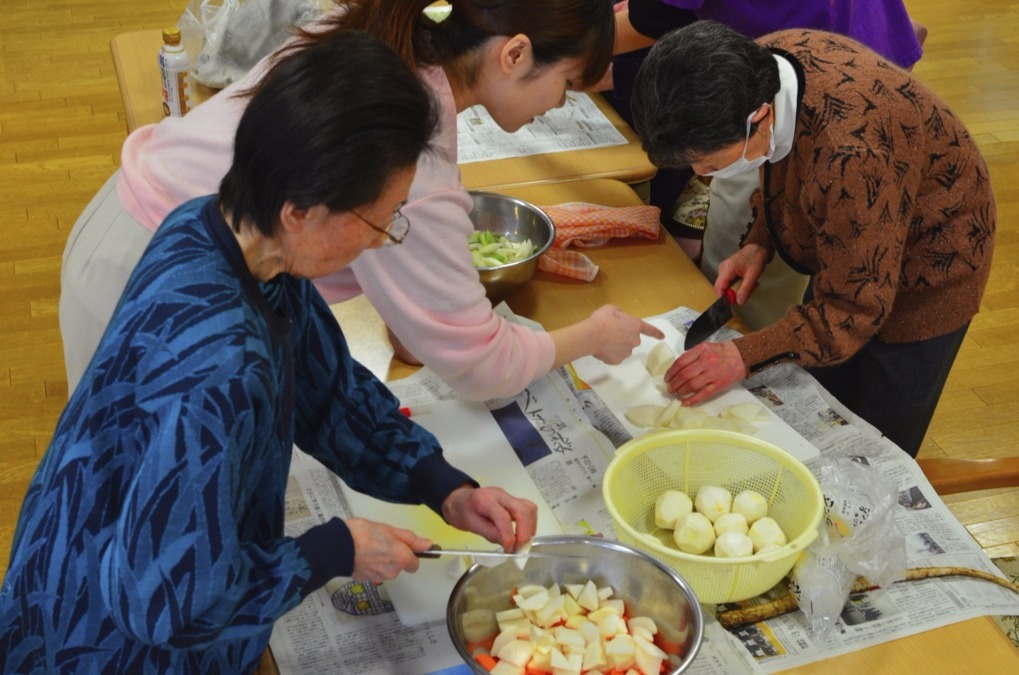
589, 225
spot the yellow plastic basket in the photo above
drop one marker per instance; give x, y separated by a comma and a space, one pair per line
685, 460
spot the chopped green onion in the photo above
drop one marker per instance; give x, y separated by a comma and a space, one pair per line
489, 250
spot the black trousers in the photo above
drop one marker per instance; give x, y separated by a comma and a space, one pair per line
895, 387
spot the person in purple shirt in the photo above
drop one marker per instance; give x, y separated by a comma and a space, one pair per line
882, 25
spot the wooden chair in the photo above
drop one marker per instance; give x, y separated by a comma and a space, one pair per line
951, 476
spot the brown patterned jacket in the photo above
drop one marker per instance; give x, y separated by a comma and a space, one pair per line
884, 199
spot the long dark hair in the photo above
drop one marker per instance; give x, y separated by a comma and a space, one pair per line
558, 29
328, 124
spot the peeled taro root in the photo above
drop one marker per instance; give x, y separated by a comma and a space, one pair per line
670, 506
731, 522
694, 533
766, 532
751, 504
733, 545
713, 501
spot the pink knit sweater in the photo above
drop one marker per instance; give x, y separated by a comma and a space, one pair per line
426, 289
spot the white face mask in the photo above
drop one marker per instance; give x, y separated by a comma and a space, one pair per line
743, 165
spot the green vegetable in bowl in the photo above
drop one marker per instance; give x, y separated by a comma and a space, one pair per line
489, 250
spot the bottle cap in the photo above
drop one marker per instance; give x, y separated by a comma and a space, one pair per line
171, 36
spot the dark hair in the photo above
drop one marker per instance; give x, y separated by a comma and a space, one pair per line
695, 89
328, 124
558, 29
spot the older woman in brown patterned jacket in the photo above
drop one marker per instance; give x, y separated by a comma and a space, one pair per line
869, 183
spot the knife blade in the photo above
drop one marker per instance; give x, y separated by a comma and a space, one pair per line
435, 551
713, 318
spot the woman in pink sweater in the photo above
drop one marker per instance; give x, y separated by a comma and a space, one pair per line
518, 59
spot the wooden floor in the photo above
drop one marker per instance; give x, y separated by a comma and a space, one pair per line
62, 124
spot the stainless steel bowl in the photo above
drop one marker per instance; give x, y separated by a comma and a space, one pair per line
517, 220
647, 586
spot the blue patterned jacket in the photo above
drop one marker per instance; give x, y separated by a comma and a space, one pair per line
151, 537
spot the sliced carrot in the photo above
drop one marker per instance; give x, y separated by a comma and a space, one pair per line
486, 661
485, 644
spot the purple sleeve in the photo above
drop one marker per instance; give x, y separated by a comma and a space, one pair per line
655, 18
882, 25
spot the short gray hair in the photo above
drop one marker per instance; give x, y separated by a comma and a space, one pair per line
694, 91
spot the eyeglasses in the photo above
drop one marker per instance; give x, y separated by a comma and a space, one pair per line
397, 231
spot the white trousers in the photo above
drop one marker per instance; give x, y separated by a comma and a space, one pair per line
101, 252
729, 216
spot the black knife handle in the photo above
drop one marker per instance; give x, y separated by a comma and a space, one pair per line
432, 552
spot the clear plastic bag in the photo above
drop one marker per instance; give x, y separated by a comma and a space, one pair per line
857, 537
225, 38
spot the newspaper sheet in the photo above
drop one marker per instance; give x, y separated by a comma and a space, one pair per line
934, 538
349, 627
579, 124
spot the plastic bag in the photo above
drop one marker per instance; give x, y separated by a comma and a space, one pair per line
225, 38
857, 537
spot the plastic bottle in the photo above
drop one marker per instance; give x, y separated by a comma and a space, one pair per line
174, 64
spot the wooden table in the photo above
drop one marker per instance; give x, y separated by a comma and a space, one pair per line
627, 163
641, 276
135, 62
650, 277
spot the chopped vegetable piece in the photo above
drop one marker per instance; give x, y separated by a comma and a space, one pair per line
489, 250
748, 412
479, 625
518, 652
587, 641
486, 661
659, 359
667, 414
643, 415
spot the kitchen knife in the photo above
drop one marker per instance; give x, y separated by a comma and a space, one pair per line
435, 551
713, 318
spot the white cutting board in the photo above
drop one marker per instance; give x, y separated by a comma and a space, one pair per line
628, 384
474, 443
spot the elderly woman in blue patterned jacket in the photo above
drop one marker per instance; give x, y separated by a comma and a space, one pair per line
151, 537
